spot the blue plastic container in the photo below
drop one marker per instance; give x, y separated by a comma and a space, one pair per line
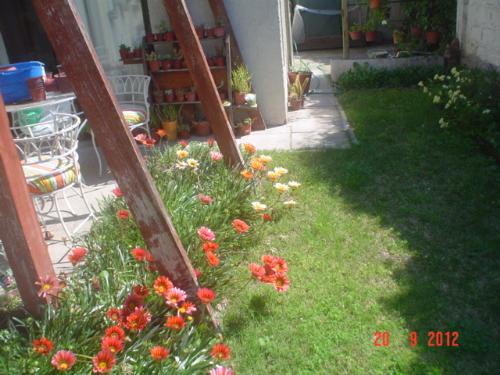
13, 83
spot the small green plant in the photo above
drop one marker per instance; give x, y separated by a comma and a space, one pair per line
124, 47
241, 79
375, 19
170, 113
152, 56
300, 66
297, 88
356, 27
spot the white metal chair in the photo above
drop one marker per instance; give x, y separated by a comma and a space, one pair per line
50, 162
132, 92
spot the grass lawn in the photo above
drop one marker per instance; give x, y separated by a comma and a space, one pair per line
400, 233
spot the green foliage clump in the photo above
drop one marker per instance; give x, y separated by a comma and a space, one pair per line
241, 79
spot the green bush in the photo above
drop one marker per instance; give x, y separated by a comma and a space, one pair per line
469, 102
363, 76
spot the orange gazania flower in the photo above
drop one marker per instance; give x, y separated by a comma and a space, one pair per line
117, 192
162, 285
49, 285
114, 314
159, 353
257, 270
205, 199
212, 259
221, 352
115, 332
63, 360
42, 345
210, 142
197, 273
210, 246
240, 226
183, 143
247, 175
281, 283
249, 148
138, 320
140, 290
112, 344
266, 217
122, 214
257, 165
148, 142
175, 322
174, 296
161, 133
206, 295
103, 362
139, 254
187, 308
76, 255
132, 301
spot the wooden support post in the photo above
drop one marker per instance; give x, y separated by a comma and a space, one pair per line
74, 50
145, 16
219, 12
345, 29
203, 80
19, 226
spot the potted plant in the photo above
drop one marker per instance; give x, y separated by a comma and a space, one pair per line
209, 32
397, 37
150, 38
184, 131
169, 96
374, 4
124, 51
201, 128
219, 59
166, 63
296, 94
153, 62
200, 31
180, 95
191, 95
158, 95
245, 127
169, 116
356, 31
375, 19
430, 22
219, 30
241, 84
301, 69
413, 11
137, 53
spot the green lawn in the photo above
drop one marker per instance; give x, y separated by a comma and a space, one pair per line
400, 233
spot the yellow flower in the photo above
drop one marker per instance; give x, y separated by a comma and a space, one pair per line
249, 148
290, 203
193, 163
256, 165
181, 154
265, 159
280, 171
181, 165
258, 207
281, 187
247, 175
273, 176
294, 184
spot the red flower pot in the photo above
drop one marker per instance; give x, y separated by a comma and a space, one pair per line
415, 32
170, 98
158, 96
220, 61
245, 130
222, 95
355, 35
370, 36
165, 65
209, 33
123, 54
239, 98
432, 37
137, 53
295, 104
200, 31
184, 134
158, 37
154, 65
179, 97
219, 31
191, 97
169, 36
201, 128
150, 38
177, 64
374, 4
210, 61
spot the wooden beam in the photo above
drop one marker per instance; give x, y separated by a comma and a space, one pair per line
145, 17
205, 85
219, 12
345, 30
74, 50
19, 225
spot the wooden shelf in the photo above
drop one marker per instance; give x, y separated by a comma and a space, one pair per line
135, 60
186, 69
176, 41
244, 107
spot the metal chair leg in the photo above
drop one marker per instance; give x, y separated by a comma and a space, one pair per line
61, 217
67, 202
96, 152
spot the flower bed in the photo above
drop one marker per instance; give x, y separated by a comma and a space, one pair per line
116, 313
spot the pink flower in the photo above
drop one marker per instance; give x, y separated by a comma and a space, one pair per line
205, 199
206, 234
215, 156
117, 192
175, 296
49, 285
219, 370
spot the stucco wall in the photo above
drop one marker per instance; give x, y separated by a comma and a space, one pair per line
478, 28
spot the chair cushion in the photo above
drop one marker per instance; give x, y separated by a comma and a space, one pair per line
51, 175
134, 114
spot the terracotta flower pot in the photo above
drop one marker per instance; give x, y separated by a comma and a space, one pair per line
150, 38
370, 36
239, 98
177, 64
158, 37
374, 4
355, 35
303, 76
171, 128
295, 104
123, 54
416, 32
170, 98
219, 31
432, 37
245, 130
137, 53
201, 128
158, 96
222, 95
191, 97
169, 36
37, 89
210, 61
200, 31
179, 97
220, 61
184, 134
165, 65
154, 65
209, 33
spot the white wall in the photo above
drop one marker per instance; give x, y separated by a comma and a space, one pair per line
478, 28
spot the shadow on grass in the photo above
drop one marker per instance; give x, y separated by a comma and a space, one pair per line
441, 196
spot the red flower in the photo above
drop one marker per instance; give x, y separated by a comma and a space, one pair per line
42, 345
116, 332
219, 370
103, 362
174, 296
212, 259
279, 265
162, 285
206, 234
268, 259
205, 199
206, 295
140, 290
133, 301
257, 270
210, 142
114, 314
138, 320
139, 254
149, 142
281, 283
197, 273
175, 322
240, 226
266, 217
76, 255
49, 285
122, 214
187, 308
112, 344
117, 192
221, 352
210, 247
159, 353
63, 360
183, 143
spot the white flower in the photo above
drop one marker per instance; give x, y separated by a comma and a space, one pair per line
454, 71
447, 105
486, 111
258, 207
282, 188
265, 158
280, 171
421, 84
181, 165
290, 203
193, 163
294, 184
426, 90
384, 22
436, 99
443, 123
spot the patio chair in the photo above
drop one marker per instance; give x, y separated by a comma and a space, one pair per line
50, 163
132, 92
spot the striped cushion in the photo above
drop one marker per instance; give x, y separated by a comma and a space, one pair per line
134, 114
48, 176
